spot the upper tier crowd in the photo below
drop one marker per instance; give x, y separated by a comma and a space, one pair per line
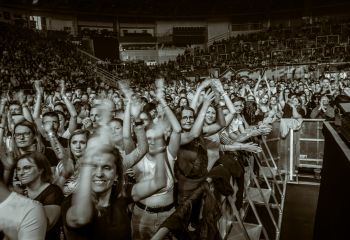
158, 157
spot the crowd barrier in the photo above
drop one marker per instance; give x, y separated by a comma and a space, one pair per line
302, 148
262, 210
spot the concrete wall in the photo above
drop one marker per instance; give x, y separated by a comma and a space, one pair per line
134, 55
216, 28
95, 24
165, 55
160, 56
166, 27
59, 24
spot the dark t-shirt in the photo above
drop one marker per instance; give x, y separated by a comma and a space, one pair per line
49, 152
52, 195
51, 156
112, 223
63, 141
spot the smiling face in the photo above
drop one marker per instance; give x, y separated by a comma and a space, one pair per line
273, 100
187, 119
27, 171
104, 172
24, 136
78, 145
324, 100
264, 99
210, 116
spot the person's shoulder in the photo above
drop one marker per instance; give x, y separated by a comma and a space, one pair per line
21, 203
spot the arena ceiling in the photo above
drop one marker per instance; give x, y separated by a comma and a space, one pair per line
188, 8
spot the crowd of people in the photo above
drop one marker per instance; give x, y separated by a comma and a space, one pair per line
151, 159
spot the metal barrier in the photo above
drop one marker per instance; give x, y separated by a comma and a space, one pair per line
311, 144
301, 148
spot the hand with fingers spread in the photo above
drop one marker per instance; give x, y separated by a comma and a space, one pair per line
208, 97
217, 85
251, 147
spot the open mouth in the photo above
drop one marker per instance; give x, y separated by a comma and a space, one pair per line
99, 182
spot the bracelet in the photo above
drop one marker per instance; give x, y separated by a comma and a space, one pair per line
165, 106
224, 93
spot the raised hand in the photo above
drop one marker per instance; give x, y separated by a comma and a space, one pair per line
160, 83
135, 109
62, 88
38, 88
205, 84
87, 123
125, 88
105, 111
48, 127
208, 97
217, 85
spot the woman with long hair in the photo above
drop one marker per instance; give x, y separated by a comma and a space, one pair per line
26, 139
34, 174
67, 170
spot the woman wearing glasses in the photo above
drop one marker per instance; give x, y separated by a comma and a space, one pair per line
25, 139
34, 174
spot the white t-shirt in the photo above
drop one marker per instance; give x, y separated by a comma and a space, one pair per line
145, 169
22, 218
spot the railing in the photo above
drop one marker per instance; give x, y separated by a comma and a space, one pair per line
89, 56
106, 76
302, 148
218, 38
